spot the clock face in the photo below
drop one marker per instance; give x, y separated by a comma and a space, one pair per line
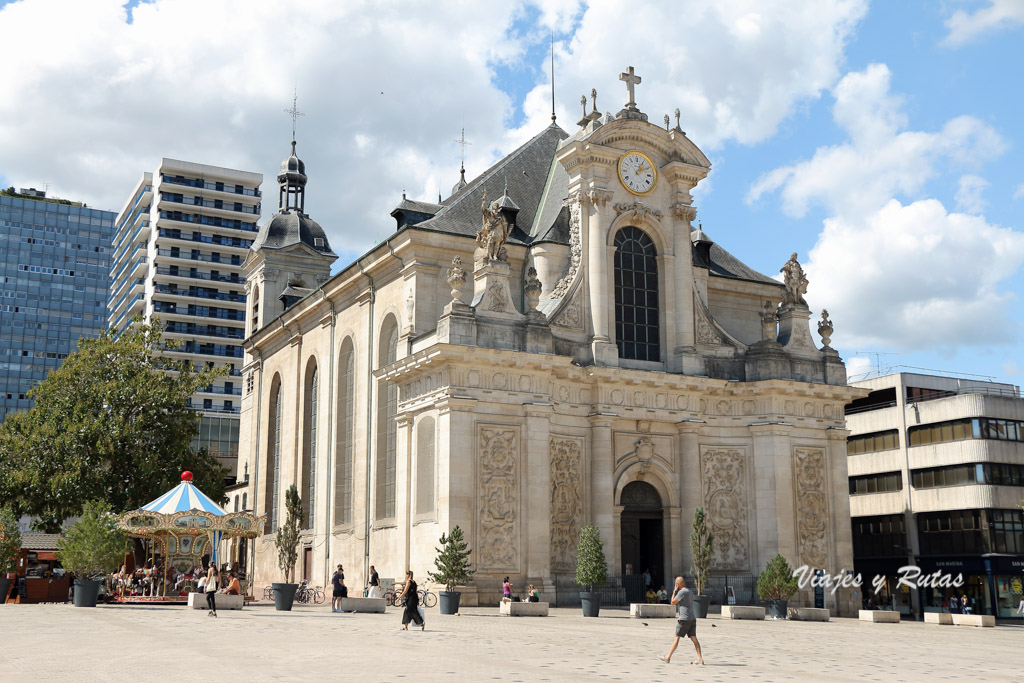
637, 173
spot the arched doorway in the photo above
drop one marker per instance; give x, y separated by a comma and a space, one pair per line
642, 535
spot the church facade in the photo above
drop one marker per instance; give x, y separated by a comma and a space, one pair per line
555, 344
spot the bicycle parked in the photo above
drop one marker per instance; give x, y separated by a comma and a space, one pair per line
427, 597
304, 594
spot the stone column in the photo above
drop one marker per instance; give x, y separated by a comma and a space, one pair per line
456, 454
682, 279
403, 483
839, 503
601, 489
691, 495
677, 537
598, 220
773, 497
537, 496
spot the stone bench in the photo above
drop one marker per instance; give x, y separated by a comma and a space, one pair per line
742, 612
643, 610
523, 609
938, 618
880, 616
986, 620
363, 605
807, 614
223, 600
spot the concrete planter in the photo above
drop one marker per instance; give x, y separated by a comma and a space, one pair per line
86, 592
284, 596
777, 608
591, 604
700, 606
450, 602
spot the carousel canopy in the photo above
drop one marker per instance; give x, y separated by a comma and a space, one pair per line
183, 497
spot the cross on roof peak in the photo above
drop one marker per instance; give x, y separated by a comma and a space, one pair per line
631, 80
295, 114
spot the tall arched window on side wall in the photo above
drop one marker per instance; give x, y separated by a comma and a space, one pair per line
255, 322
309, 442
425, 492
273, 490
345, 433
387, 429
637, 331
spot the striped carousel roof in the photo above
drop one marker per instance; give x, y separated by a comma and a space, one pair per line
185, 496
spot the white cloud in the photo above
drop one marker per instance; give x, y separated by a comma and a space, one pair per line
91, 102
1019, 192
909, 275
998, 14
969, 194
859, 367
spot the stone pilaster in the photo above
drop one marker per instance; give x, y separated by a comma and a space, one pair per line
537, 490
597, 222
682, 279
773, 497
602, 492
403, 484
689, 483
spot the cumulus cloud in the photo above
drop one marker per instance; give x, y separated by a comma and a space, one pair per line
904, 274
969, 193
859, 367
91, 102
965, 27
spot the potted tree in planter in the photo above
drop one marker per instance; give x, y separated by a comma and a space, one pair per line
90, 549
453, 569
287, 542
10, 547
776, 586
591, 569
701, 543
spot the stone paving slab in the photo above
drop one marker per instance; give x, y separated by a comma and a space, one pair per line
162, 643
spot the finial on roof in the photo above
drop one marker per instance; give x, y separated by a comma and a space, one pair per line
631, 80
439, 196
593, 96
583, 101
666, 122
295, 114
552, 75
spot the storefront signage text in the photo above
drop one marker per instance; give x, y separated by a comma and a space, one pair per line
909, 576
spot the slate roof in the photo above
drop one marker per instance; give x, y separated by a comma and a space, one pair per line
289, 227
36, 541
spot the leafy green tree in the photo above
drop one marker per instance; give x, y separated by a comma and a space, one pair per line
591, 566
93, 546
701, 544
452, 561
287, 539
10, 542
112, 423
777, 582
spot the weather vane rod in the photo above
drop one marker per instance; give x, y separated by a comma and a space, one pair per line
294, 111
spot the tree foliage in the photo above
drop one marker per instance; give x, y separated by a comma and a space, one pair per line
10, 541
701, 544
112, 423
93, 546
777, 582
591, 566
452, 561
287, 538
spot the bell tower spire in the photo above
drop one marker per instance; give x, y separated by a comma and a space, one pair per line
292, 178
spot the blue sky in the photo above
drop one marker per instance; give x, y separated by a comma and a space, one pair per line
878, 140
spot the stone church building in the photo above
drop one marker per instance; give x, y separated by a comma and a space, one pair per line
554, 344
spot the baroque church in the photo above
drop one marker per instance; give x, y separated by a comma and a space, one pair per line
554, 344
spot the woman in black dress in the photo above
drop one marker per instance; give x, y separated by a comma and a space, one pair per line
411, 599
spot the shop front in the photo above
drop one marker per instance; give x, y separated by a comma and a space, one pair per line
1007, 572
886, 593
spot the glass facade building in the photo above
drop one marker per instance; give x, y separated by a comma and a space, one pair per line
54, 277
180, 240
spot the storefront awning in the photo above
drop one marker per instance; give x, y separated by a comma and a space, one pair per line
46, 556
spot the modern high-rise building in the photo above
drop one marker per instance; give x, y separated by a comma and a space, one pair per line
54, 275
936, 468
179, 245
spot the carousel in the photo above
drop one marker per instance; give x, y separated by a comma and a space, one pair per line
179, 529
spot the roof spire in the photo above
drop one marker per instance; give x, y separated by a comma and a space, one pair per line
295, 114
553, 75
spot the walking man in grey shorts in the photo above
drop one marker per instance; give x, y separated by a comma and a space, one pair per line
686, 626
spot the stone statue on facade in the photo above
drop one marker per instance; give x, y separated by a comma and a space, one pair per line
494, 232
825, 329
456, 278
769, 322
795, 281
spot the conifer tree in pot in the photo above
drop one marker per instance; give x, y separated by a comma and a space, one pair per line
776, 585
591, 569
453, 569
10, 547
287, 542
701, 544
90, 549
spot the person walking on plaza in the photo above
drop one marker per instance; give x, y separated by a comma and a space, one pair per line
211, 589
340, 592
374, 588
686, 626
411, 599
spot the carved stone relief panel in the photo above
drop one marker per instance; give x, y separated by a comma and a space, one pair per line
575, 252
499, 498
572, 315
812, 512
724, 483
566, 501
644, 448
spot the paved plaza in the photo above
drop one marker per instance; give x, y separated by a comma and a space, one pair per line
154, 643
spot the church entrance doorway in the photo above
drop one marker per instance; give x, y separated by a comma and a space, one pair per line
642, 538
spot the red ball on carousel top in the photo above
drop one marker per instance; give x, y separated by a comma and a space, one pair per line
186, 476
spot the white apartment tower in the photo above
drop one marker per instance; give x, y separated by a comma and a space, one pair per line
180, 241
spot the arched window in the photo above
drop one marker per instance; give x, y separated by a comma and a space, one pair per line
425, 466
310, 411
346, 433
255, 308
274, 453
387, 429
236, 503
636, 296
245, 502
